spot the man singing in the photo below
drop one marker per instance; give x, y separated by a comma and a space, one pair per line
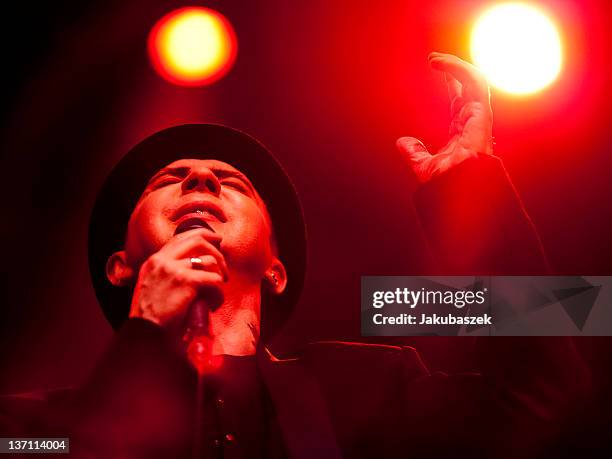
198, 253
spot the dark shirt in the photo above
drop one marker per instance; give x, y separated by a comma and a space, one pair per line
239, 419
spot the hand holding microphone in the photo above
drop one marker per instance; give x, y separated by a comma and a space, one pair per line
178, 285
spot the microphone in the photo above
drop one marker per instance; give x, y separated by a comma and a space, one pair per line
197, 323
198, 340
197, 334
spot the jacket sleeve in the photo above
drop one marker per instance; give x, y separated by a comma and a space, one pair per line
475, 223
138, 398
540, 384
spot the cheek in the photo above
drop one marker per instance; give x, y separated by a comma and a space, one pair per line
148, 231
247, 240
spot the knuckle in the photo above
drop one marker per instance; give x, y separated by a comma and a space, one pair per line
149, 262
155, 260
180, 278
208, 260
200, 243
211, 251
161, 266
151, 265
216, 279
164, 267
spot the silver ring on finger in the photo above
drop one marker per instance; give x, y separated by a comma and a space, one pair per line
196, 263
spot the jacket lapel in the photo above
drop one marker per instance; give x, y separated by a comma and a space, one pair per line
302, 413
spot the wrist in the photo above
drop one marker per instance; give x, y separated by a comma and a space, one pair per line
137, 311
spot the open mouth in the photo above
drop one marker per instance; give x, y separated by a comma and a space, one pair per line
192, 223
196, 215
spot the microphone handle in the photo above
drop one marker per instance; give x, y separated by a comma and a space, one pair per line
197, 323
198, 345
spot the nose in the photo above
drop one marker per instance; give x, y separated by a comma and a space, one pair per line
203, 180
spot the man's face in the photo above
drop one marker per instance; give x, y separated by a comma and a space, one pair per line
195, 193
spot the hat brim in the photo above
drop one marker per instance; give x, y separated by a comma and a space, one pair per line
124, 186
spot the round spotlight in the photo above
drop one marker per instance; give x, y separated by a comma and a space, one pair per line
517, 47
192, 46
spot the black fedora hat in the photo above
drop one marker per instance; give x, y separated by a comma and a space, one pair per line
123, 187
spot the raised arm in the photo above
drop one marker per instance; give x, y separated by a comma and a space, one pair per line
471, 214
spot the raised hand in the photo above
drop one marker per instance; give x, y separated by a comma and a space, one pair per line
471, 123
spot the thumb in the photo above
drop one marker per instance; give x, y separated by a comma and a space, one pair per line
416, 155
412, 149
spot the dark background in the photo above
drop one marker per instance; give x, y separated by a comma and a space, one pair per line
328, 87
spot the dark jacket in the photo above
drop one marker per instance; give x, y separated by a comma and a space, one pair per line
340, 399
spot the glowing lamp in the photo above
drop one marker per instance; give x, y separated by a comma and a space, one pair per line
192, 46
517, 47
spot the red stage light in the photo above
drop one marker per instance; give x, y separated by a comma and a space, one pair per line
192, 46
517, 47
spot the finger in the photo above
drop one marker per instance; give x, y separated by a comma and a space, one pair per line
203, 262
195, 245
454, 87
455, 94
180, 244
469, 76
412, 149
203, 278
205, 233
202, 248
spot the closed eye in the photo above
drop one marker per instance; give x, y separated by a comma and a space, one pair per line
235, 183
167, 176
163, 181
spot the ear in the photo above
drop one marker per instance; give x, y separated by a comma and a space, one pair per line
276, 277
118, 271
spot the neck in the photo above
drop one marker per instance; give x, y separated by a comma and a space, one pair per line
234, 326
